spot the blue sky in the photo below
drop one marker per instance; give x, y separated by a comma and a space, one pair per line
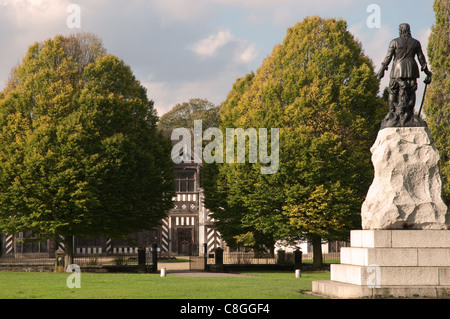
182, 49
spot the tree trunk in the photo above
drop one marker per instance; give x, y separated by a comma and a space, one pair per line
317, 252
68, 247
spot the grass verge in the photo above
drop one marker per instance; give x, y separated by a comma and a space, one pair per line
256, 285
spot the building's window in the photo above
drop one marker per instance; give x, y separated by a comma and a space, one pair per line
185, 181
27, 242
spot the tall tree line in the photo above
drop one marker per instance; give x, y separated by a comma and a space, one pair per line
320, 90
80, 152
437, 101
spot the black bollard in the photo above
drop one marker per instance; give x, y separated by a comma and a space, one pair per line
298, 259
141, 260
155, 257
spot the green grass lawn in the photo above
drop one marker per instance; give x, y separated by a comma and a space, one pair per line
257, 285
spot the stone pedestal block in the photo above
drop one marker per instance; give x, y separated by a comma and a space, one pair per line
400, 238
391, 264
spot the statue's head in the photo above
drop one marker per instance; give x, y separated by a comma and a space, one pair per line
404, 30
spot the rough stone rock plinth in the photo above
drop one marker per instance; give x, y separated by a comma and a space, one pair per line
403, 250
406, 190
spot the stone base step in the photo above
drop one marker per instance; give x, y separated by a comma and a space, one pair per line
411, 257
339, 290
391, 264
390, 276
400, 238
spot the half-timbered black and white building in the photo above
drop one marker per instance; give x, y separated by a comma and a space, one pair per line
185, 230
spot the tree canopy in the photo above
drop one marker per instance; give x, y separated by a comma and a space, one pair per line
80, 153
437, 103
184, 115
319, 88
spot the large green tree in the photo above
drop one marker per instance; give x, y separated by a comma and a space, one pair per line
437, 102
184, 115
224, 184
80, 152
321, 91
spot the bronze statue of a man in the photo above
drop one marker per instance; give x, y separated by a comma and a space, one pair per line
403, 79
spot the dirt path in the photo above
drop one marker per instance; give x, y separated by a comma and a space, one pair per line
205, 274
181, 269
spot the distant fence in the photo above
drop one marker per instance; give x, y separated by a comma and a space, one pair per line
121, 259
101, 259
331, 258
28, 258
131, 259
254, 258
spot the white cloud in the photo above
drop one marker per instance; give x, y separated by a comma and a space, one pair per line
35, 12
243, 51
208, 46
248, 55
